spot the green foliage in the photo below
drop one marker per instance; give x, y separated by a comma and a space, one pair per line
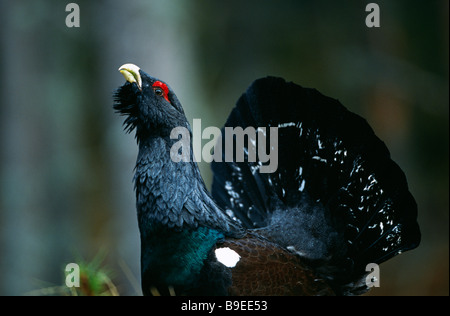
95, 280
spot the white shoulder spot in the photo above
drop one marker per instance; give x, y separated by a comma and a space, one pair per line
227, 257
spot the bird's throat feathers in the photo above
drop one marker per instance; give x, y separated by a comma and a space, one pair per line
160, 184
169, 192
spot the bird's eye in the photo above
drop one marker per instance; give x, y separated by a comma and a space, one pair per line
159, 92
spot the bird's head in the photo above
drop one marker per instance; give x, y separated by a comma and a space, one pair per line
149, 104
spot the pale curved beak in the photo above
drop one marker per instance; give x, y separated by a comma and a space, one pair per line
131, 74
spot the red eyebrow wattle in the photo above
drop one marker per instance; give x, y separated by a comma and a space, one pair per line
163, 86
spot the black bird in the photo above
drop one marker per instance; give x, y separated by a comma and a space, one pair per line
335, 202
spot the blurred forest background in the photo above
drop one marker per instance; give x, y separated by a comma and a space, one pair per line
66, 165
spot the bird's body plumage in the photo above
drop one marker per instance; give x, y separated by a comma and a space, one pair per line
335, 203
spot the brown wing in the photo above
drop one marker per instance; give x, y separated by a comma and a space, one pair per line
266, 269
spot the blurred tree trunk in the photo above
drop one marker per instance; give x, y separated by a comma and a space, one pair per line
54, 174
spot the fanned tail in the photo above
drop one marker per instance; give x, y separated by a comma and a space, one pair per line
337, 199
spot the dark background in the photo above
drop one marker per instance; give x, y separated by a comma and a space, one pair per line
66, 165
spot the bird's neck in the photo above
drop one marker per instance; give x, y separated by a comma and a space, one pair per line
162, 185
173, 193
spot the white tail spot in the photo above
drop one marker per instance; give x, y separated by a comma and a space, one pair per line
227, 257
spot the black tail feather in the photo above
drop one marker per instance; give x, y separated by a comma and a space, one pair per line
330, 158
